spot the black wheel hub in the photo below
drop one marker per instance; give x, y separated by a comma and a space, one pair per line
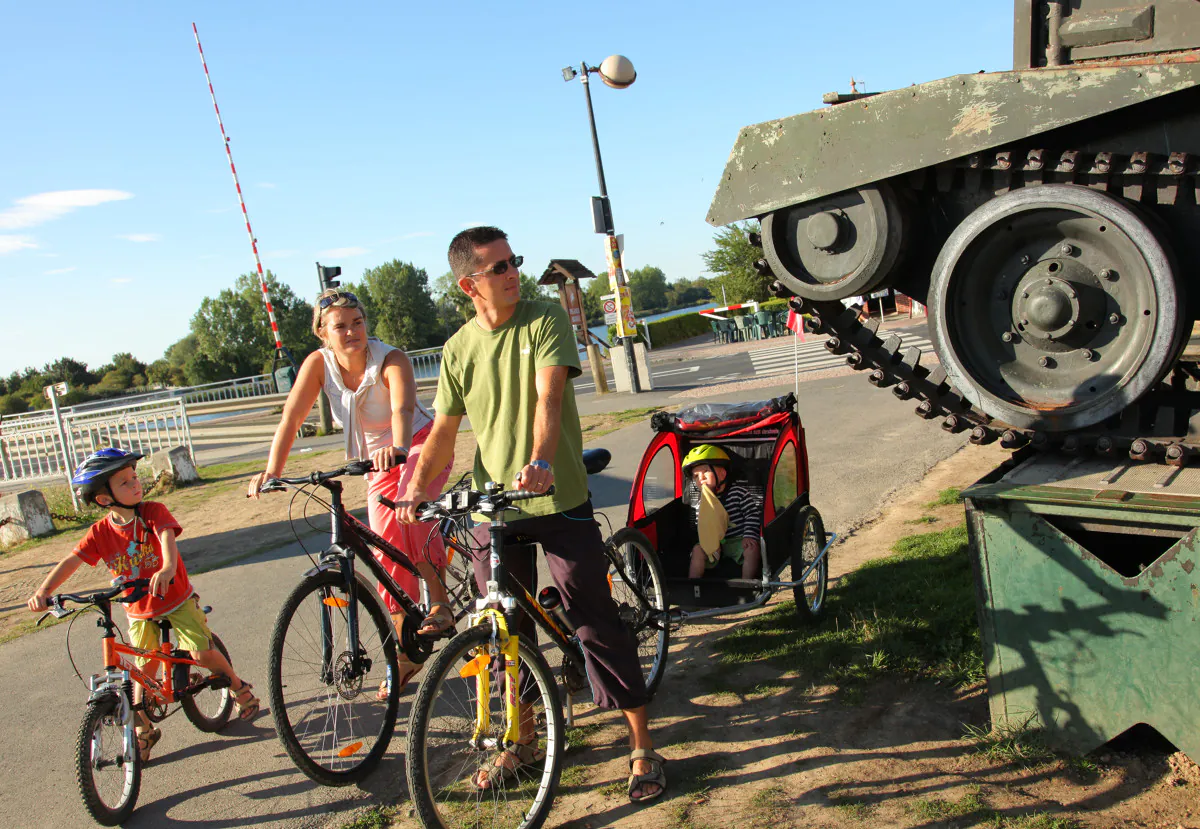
346, 679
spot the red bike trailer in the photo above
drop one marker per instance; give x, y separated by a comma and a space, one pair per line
765, 439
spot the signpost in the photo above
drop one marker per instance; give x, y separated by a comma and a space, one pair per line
53, 392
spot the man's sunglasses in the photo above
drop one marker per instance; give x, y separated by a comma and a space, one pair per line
333, 299
501, 267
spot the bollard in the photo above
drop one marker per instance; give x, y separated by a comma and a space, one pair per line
24, 515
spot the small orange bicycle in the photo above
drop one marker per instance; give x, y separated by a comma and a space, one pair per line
108, 765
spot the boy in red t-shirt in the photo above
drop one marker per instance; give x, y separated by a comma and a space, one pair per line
137, 540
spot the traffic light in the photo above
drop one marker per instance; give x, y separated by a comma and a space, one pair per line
328, 276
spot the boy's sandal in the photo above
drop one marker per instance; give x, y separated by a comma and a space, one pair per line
147, 738
244, 700
498, 770
656, 775
441, 617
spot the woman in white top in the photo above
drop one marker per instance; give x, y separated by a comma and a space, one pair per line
373, 396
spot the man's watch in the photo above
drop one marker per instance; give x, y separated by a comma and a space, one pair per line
540, 464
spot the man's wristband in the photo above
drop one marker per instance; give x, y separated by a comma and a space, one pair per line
540, 464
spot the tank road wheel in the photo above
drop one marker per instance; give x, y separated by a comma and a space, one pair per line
840, 246
1055, 307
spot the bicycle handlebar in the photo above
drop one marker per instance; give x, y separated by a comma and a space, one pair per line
137, 588
358, 466
466, 501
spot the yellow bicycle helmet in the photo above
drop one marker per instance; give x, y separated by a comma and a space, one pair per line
705, 453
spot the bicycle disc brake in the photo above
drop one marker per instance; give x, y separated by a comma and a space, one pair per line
574, 676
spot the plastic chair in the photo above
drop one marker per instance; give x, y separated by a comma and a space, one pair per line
740, 322
766, 325
730, 329
781, 323
718, 334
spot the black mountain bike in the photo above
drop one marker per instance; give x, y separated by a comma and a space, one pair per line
333, 648
463, 714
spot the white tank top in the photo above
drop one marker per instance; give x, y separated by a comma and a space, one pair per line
365, 414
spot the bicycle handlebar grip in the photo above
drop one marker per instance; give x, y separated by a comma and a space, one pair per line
387, 502
525, 495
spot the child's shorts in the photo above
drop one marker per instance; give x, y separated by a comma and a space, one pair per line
188, 622
731, 548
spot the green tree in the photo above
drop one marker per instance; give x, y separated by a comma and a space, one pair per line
72, 372
732, 265
451, 298
647, 288
232, 334
530, 289
400, 308
593, 289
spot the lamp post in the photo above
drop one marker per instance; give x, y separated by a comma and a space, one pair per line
618, 72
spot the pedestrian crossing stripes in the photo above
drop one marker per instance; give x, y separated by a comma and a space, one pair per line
812, 356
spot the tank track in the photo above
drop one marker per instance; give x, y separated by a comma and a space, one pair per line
1144, 177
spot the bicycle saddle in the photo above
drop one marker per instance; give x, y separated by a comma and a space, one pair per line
594, 460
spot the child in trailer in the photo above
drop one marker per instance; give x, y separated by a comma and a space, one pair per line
728, 514
137, 540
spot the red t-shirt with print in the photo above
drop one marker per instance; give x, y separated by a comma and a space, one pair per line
134, 551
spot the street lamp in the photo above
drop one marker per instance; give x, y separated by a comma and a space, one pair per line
616, 71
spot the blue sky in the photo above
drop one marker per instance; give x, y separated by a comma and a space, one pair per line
368, 132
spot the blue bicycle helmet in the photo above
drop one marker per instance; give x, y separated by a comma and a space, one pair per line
91, 476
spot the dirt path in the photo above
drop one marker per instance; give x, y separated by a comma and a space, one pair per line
744, 752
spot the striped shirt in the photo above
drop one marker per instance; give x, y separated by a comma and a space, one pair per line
742, 502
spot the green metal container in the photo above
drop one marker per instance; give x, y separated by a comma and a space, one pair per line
1088, 598
285, 378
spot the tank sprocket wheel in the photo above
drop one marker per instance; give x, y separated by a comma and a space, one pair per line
840, 246
1056, 307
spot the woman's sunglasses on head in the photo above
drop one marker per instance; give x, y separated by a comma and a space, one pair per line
501, 267
333, 299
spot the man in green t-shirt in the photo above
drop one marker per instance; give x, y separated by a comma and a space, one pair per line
508, 370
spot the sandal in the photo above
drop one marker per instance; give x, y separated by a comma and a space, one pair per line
655, 776
147, 738
381, 695
498, 771
244, 700
440, 617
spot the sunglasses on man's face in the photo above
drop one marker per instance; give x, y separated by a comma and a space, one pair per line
501, 267
333, 299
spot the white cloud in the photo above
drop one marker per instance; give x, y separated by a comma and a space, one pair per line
11, 244
419, 234
139, 237
61, 270
43, 207
341, 253
121, 280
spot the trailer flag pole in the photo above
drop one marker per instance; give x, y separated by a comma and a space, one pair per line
262, 279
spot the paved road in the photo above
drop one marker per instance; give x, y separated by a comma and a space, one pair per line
862, 444
780, 356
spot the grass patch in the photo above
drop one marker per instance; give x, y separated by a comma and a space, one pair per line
854, 809
377, 817
1021, 744
909, 615
935, 808
30, 626
951, 495
771, 802
598, 425
580, 735
617, 787
924, 519
572, 777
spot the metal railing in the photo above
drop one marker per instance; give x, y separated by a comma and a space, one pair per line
426, 363
33, 451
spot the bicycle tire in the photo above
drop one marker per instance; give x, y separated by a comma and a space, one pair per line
92, 746
324, 716
219, 701
809, 596
440, 731
652, 634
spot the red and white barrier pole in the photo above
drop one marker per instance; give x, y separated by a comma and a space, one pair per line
262, 279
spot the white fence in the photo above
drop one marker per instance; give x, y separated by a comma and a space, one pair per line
31, 449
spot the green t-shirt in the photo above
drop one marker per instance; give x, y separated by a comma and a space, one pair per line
490, 377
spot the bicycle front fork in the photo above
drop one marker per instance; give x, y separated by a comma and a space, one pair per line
120, 685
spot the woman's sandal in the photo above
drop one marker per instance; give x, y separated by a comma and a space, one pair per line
147, 738
440, 617
246, 707
655, 776
497, 771
381, 695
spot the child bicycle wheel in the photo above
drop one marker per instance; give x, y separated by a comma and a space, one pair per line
326, 711
108, 767
209, 709
445, 755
